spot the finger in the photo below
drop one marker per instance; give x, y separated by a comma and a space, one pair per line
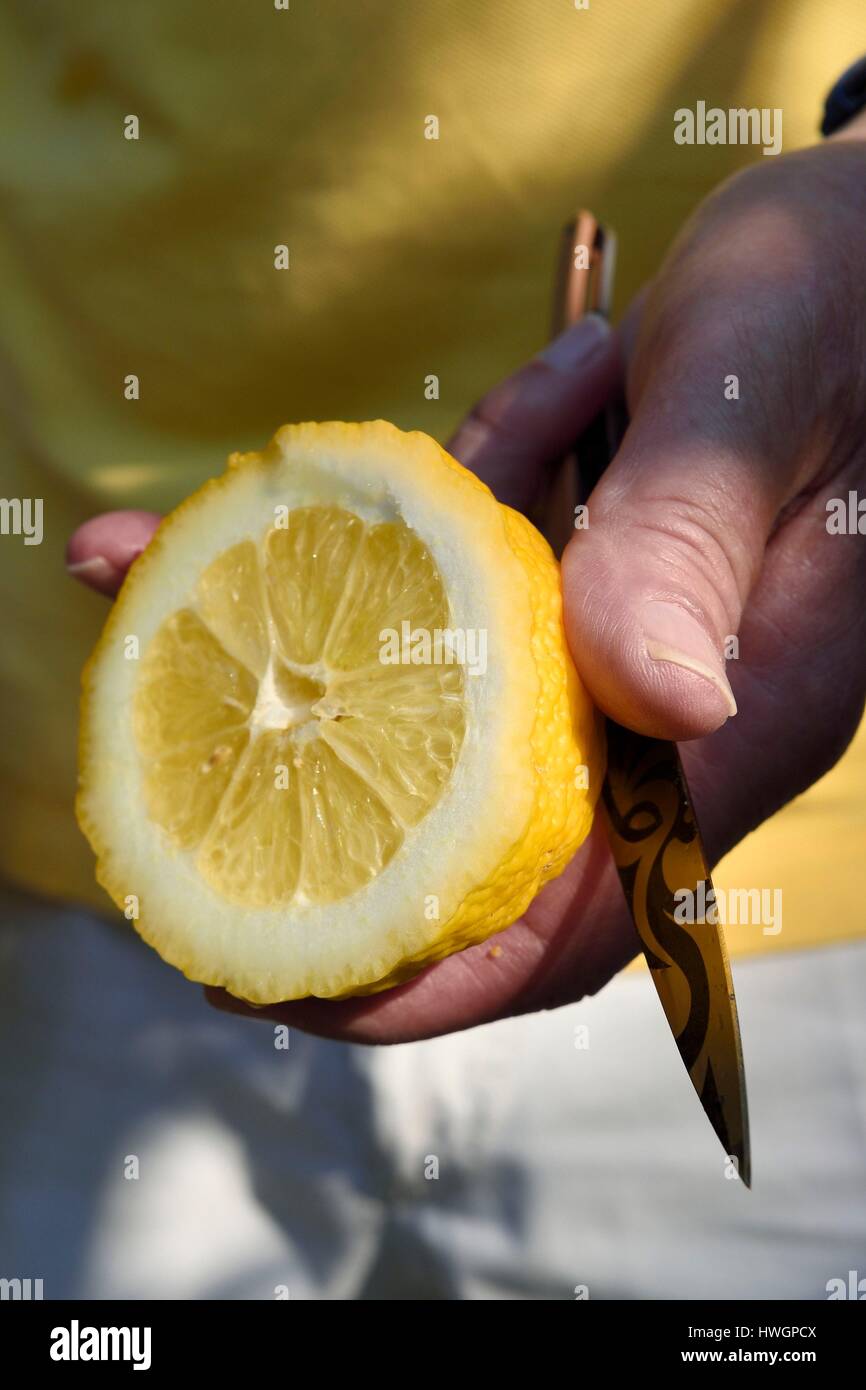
679, 522
100, 552
531, 419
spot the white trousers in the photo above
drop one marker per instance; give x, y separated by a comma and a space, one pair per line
153, 1148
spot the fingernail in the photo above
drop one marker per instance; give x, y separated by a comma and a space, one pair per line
673, 634
96, 570
577, 345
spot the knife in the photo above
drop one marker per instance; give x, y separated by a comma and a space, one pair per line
645, 800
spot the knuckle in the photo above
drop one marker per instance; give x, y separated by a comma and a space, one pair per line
704, 556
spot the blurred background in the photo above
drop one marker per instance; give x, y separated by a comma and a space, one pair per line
305, 1168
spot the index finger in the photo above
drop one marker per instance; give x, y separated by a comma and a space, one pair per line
101, 551
529, 420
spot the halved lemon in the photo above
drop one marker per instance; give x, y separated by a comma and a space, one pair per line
332, 731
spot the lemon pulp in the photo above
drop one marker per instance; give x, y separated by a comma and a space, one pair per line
276, 809
274, 742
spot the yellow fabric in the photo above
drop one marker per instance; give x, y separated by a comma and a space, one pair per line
408, 256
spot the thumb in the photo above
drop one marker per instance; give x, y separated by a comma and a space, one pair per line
677, 529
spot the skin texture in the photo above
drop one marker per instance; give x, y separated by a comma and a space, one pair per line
713, 509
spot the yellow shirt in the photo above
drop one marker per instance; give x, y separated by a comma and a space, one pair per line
305, 127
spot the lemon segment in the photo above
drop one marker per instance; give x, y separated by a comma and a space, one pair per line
230, 602
393, 582
307, 565
251, 853
349, 833
401, 728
